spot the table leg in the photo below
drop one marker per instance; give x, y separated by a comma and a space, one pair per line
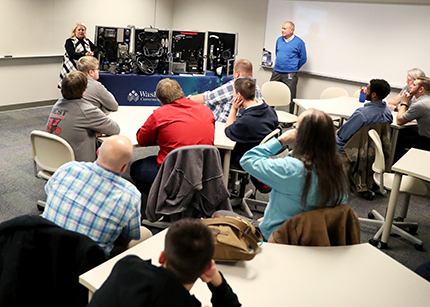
226, 165
393, 149
392, 203
90, 295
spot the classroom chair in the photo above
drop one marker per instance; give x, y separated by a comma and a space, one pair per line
277, 94
190, 183
40, 263
359, 156
409, 186
241, 179
334, 92
330, 226
49, 152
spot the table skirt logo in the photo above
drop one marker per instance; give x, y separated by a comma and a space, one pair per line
141, 96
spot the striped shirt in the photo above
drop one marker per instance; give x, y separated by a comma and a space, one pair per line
220, 100
89, 199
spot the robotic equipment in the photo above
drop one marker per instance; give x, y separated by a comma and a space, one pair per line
188, 51
114, 49
152, 50
221, 52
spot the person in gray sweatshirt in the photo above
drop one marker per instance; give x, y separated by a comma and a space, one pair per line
78, 121
96, 93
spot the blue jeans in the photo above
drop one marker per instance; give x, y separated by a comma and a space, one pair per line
143, 173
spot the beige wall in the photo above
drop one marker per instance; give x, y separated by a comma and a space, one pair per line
35, 79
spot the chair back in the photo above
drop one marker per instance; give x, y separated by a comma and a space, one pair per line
357, 93
271, 135
189, 183
333, 92
330, 226
276, 93
50, 151
379, 164
39, 256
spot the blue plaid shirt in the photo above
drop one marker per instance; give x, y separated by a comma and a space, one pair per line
220, 100
91, 200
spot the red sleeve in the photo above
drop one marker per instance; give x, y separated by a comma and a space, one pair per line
147, 134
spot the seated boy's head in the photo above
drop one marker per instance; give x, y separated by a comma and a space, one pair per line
74, 85
188, 249
245, 87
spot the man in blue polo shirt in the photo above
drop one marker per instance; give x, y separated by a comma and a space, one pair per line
290, 57
374, 112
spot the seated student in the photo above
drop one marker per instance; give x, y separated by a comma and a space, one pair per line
416, 137
178, 122
312, 178
413, 74
257, 120
187, 256
93, 199
374, 112
220, 99
78, 121
96, 93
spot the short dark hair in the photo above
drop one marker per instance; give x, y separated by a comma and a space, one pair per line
74, 85
246, 87
380, 87
168, 90
189, 248
424, 82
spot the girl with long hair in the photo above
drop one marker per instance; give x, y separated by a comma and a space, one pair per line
312, 178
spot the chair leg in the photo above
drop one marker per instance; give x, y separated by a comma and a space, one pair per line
397, 228
41, 205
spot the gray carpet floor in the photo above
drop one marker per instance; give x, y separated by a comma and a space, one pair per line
20, 189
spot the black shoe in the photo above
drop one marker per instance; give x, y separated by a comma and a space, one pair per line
368, 195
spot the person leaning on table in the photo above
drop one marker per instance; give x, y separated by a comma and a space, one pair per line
413, 74
419, 110
187, 256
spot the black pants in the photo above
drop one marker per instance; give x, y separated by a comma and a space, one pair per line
409, 138
289, 79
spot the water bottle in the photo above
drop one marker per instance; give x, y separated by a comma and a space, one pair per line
362, 97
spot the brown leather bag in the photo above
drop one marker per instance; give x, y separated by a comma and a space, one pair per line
235, 239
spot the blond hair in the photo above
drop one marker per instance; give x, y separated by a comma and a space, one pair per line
76, 26
87, 63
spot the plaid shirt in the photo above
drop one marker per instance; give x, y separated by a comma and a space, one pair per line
220, 100
91, 200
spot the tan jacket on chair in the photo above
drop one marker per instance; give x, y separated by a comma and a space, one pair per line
321, 227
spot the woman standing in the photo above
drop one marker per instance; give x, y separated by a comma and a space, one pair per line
77, 46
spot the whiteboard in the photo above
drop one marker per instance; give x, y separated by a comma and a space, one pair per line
34, 28
356, 41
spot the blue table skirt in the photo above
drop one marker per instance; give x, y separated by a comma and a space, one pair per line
139, 90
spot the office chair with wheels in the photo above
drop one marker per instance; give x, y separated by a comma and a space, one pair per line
277, 94
241, 178
409, 186
334, 92
359, 156
49, 152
